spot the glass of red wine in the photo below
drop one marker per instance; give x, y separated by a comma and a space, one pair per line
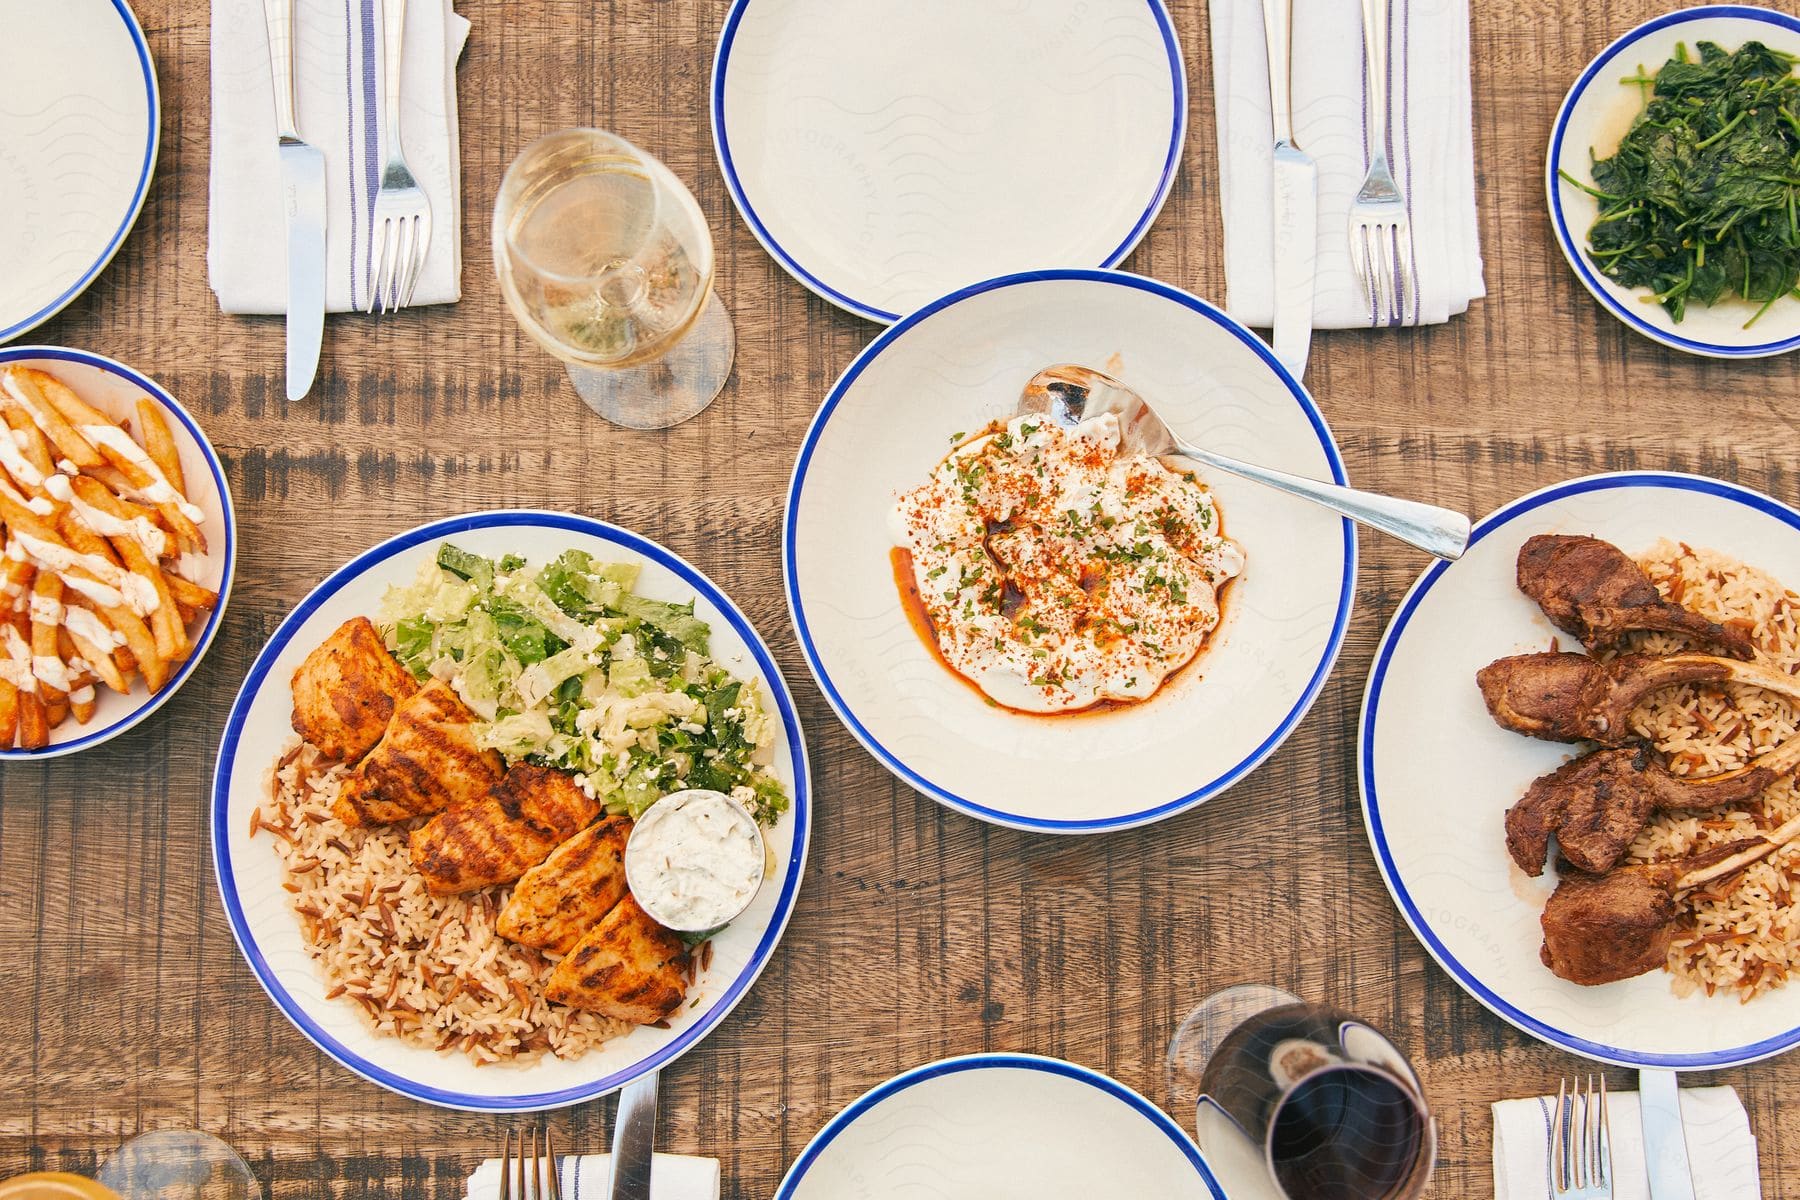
1305, 1096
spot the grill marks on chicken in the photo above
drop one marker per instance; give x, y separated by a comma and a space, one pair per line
529, 813
1593, 590
346, 691
561, 898
627, 967
428, 760
1596, 805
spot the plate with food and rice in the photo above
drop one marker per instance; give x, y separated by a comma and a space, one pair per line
511, 810
1577, 757
1032, 624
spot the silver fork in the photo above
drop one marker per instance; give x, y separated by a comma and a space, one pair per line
1380, 235
532, 1170
1580, 1143
400, 233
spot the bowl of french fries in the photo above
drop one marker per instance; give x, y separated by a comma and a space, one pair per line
119, 544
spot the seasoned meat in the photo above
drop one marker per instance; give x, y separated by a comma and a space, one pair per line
1597, 804
560, 899
531, 812
1593, 590
627, 967
427, 761
1573, 698
346, 691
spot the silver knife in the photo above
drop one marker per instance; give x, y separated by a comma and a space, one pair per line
1296, 200
303, 208
1665, 1141
634, 1139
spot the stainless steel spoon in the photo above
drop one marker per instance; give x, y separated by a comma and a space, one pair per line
1069, 394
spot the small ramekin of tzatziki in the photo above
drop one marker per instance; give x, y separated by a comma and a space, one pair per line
695, 860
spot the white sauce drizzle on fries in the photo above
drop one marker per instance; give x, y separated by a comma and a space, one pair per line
85, 626
15, 668
160, 490
122, 586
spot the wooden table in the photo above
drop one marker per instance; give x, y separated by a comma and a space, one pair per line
919, 933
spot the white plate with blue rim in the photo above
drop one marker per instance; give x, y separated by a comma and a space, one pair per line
79, 116
249, 872
1437, 774
956, 365
114, 388
885, 154
1598, 111
990, 1125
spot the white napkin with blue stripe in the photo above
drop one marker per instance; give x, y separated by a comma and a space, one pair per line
1431, 149
337, 74
585, 1177
1721, 1148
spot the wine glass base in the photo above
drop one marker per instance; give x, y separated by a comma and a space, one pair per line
675, 387
1198, 1037
178, 1164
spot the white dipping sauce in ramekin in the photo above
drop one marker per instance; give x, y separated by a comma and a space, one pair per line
695, 860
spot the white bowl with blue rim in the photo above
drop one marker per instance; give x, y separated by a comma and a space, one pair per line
1598, 111
1437, 774
989, 1125
249, 871
79, 120
885, 154
114, 389
959, 363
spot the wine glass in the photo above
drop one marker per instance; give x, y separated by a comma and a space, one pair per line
1314, 1099
605, 259
178, 1164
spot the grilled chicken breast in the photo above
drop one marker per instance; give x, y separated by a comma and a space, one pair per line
427, 761
628, 967
346, 691
563, 897
497, 839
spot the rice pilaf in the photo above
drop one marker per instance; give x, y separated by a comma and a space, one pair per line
430, 970
1745, 931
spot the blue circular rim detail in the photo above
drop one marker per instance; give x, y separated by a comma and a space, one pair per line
796, 1174
153, 96
1165, 183
1553, 185
796, 610
1371, 802
285, 632
228, 514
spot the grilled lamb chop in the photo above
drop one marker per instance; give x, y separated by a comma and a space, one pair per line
1573, 698
1591, 589
1597, 804
1603, 928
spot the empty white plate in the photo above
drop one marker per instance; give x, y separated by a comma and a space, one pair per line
1438, 774
1000, 1125
78, 138
959, 363
1598, 111
888, 152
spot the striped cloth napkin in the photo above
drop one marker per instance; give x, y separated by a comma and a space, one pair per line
1721, 1147
1430, 147
585, 1177
337, 75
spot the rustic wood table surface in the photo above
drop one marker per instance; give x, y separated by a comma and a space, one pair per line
919, 933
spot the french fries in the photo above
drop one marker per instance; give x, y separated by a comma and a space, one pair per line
95, 521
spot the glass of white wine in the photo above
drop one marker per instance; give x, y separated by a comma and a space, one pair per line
605, 259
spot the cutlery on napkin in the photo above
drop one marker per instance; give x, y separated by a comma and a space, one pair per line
585, 1177
337, 52
1431, 147
1718, 1137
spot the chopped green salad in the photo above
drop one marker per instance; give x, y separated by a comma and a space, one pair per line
568, 667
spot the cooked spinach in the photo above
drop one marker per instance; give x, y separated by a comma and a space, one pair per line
1700, 200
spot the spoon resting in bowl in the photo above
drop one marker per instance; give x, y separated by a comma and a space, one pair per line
1068, 395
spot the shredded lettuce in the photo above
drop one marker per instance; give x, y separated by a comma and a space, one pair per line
567, 666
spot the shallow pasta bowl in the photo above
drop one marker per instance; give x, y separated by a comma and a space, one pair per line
1437, 774
950, 369
114, 388
250, 875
